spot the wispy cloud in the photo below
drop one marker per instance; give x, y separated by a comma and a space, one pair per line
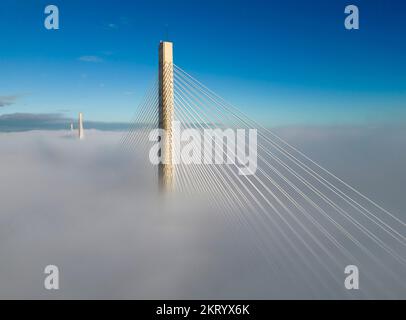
110, 26
94, 59
32, 116
108, 53
124, 20
8, 100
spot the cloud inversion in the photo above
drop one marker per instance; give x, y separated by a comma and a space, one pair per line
91, 209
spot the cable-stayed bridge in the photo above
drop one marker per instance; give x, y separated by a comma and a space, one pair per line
297, 209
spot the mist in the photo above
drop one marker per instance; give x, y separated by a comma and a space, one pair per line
93, 210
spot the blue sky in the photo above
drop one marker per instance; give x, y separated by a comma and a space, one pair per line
282, 62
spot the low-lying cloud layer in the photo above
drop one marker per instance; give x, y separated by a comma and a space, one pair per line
92, 209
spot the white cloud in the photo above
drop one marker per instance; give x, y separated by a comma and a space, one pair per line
94, 59
92, 209
8, 100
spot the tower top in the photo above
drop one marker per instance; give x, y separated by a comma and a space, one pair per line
166, 52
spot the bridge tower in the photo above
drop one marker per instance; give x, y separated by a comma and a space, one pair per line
80, 126
166, 109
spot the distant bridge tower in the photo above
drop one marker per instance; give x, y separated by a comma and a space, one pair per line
166, 105
80, 126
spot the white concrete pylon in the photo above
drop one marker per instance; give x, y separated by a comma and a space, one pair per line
166, 106
80, 126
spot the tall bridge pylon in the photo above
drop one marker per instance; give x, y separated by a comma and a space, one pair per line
80, 126
291, 203
166, 112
